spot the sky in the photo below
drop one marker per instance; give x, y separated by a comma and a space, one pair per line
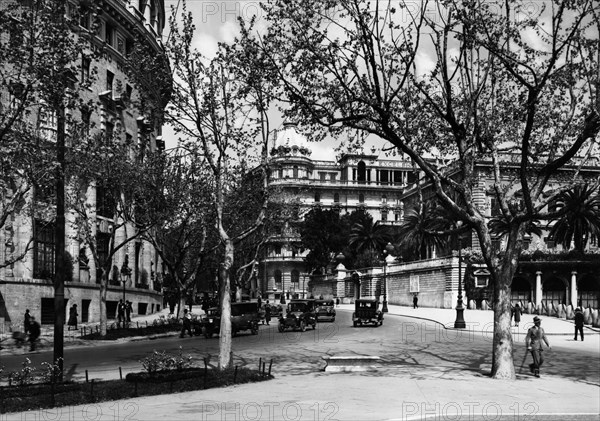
216, 21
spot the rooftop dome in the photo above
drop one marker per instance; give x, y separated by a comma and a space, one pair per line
290, 136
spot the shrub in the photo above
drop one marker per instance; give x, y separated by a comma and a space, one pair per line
24, 375
50, 372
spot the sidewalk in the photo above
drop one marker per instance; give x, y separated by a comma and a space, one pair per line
387, 394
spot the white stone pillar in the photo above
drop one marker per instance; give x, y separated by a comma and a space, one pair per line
574, 296
341, 283
538, 289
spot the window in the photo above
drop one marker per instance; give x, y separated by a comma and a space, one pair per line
317, 197
295, 171
384, 199
323, 176
336, 198
109, 130
383, 177
121, 45
481, 281
43, 250
47, 123
85, 19
384, 215
362, 172
109, 34
277, 250
333, 177
361, 198
295, 277
110, 79
86, 116
85, 69
105, 202
278, 279
280, 171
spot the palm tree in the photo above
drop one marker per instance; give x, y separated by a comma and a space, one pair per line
580, 217
365, 236
421, 229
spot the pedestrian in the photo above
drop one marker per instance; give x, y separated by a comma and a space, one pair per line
121, 313
337, 302
517, 314
128, 310
26, 321
578, 323
267, 312
415, 301
533, 341
187, 323
72, 323
34, 333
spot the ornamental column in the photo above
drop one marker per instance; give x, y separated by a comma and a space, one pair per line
538, 289
574, 298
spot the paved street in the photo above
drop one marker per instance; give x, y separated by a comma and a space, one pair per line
426, 371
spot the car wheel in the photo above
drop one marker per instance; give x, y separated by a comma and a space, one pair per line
281, 327
302, 326
254, 329
355, 323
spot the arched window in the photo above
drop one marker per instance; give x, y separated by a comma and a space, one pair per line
362, 172
336, 198
280, 172
317, 197
361, 198
278, 279
295, 171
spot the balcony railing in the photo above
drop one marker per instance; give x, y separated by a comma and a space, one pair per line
349, 183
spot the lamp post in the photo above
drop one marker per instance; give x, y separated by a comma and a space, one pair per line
459, 323
387, 252
282, 299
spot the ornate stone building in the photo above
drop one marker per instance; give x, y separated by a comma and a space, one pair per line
112, 27
349, 183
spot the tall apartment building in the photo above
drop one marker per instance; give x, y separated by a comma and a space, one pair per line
112, 28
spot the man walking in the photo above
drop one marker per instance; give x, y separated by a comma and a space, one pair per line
533, 341
34, 333
187, 324
578, 323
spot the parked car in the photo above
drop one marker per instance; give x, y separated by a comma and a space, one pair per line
244, 316
299, 315
366, 311
325, 310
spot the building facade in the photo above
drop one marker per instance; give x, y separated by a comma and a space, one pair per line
354, 181
112, 27
548, 276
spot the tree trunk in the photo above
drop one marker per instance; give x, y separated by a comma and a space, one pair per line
225, 335
59, 235
502, 350
103, 291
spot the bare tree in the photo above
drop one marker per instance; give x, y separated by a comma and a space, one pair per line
452, 85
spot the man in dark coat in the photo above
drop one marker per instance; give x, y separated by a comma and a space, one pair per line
578, 323
533, 341
34, 333
27, 321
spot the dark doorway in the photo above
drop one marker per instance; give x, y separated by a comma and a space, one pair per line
111, 310
85, 310
554, 292
47, 316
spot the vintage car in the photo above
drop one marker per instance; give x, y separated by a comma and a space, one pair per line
244, 316
366, 311
325, 310
299, 315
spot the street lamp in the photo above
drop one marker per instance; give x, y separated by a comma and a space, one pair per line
387, 252
459, 323
125, 274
